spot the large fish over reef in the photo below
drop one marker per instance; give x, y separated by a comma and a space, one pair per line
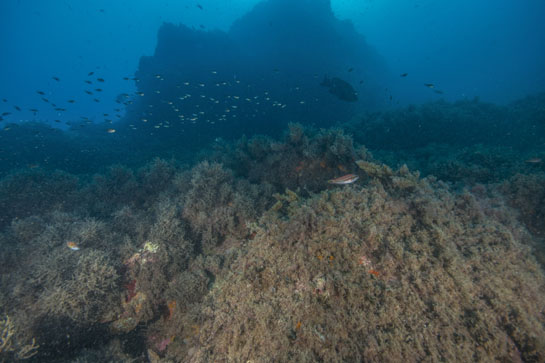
341, 89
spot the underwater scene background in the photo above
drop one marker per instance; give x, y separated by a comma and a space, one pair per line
272, 181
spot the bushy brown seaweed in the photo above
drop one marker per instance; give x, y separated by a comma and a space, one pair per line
217, 206
252, 255
303, 159
360, 274
526, 193
34, 192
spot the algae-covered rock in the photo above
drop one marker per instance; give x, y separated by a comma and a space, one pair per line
379, 171
132, 314
459, 280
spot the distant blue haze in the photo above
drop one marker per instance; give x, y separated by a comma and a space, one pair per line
491, 49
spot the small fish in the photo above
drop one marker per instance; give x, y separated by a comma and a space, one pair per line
17, 108
96, 100
346, 179
72, 245
98, 89
40, 93
100, 79
89, 92
87, 81
199, 6
90, 73
350, 69
56, 79
404, 74
71, 101
110, 131
534, 161
429, 85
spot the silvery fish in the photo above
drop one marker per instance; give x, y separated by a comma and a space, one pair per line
346, 179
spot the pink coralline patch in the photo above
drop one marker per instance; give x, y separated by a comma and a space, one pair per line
133, 260
163, 344
364, 261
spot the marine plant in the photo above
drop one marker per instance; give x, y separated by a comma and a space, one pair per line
303, 159
251, 255
218, 206
372, 274
11, 347
25, 193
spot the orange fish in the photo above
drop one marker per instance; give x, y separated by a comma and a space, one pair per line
72, 245
346, 179
171, 306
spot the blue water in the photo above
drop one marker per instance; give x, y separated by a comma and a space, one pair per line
490, 49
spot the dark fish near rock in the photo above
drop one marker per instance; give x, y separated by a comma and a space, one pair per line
341, 89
